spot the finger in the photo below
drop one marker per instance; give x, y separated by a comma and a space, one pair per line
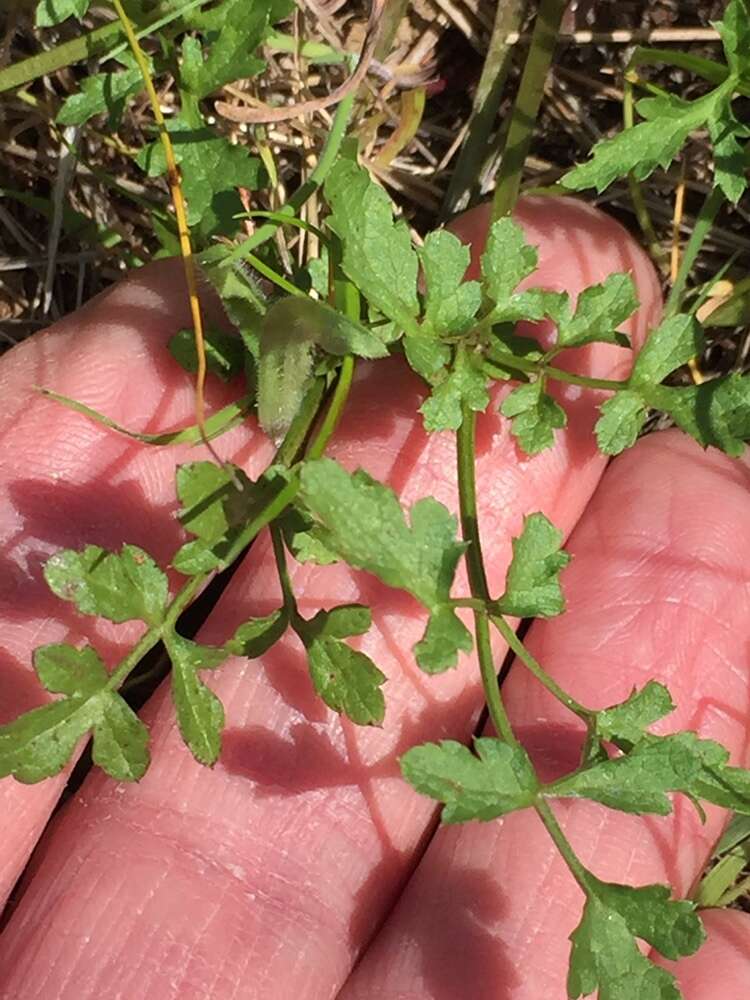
266, 876
658, 581
66, 481
722, 967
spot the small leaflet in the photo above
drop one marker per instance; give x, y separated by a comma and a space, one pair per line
217, 503
120, 586
200, 714
230, 54
639, 781
621, 421
302, 539
627, 722
50, 12
211, 168
465, 383
99, 93
346, 679
734, 29
605, 956
378, 255
506, 261
532, 584
362, 521
225, 352
41, 742
450, 302
494, 780
535, 416
714, 413
255, 636
599, 311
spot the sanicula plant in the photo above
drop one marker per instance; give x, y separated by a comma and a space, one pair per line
373, 294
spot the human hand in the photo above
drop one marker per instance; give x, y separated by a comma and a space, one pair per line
269, 875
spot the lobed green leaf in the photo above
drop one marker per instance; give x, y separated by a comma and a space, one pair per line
534, 415
605, 956
532, 584
40, 743
119, 586
495, 780
200, 714
363, 523
378, 255
450, 302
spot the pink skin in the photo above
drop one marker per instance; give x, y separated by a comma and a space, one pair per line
267, 876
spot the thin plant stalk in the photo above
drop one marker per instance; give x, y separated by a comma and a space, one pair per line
183, 230
489, 94
526, 107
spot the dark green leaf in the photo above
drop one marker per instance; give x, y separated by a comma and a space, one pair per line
445, 636
49, 12
672, 344
119, 586
225, 352
200, 714
362, 521
231, 55
532, 585
730, 166
605, 956
450, 302
496, 780
41, 742
628, 721
600, 310
639, 781
102, 92
641, 149
255, 636
426, 356
465, 383
622, 418
378, 254
535, 416
212, 168
734, 29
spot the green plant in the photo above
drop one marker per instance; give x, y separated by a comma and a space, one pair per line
298, 352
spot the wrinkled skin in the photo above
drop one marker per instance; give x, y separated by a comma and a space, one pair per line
303, 853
